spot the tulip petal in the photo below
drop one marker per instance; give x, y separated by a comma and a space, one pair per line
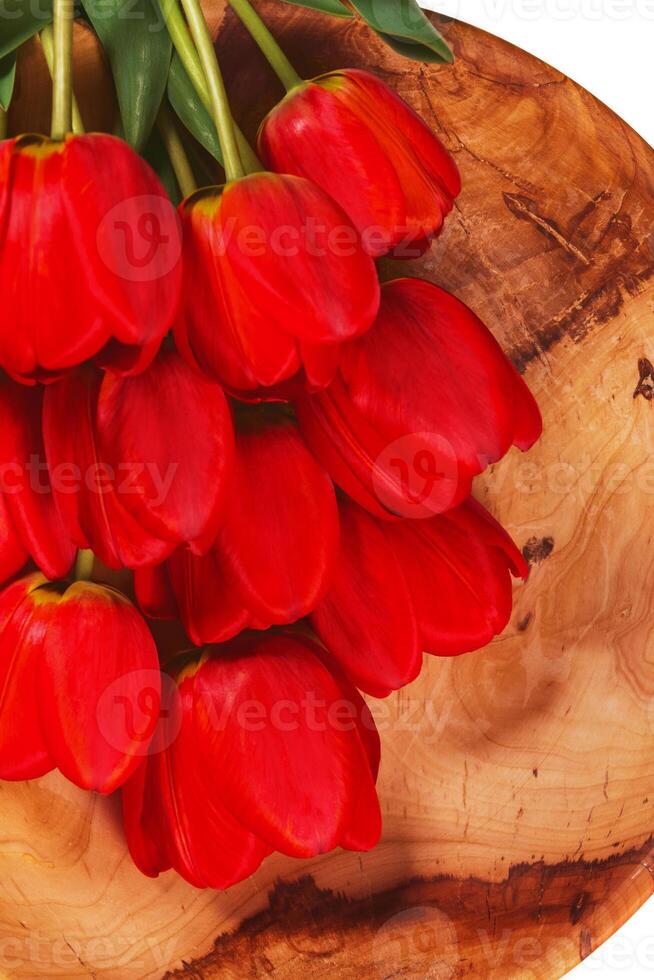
144, 817
12, 554
27, 485
364, 827
220, 327
280, 535
167, 435
320, 364
427, 172
329, 292
154, 592
209, 605
458, 566
262, 721
343, 442
26, 609
221, 851
128, 237
99, 688
367, 620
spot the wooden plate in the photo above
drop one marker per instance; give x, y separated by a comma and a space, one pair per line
517, 784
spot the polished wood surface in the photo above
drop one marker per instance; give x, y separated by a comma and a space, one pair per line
517, 784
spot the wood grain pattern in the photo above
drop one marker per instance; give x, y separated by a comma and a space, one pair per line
517, 784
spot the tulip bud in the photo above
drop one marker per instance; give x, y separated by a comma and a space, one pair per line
275, 280
354, 137
139, 465
89, 258
274, 751
421, 405
79, 676
441, 585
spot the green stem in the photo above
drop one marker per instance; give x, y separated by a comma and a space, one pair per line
84, 565
183, 44
268, 44
62, 88
176, 152
188, 56
47, 43
220, 110
3, 124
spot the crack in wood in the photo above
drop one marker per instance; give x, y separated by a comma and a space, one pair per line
525, 209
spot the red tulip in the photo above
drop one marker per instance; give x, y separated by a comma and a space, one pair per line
441, 585
275, 280
139, 465
79, 683
421, 405
354, 137
89, 258
276, 548
35, 527
267, 749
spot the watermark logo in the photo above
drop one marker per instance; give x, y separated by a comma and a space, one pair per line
131, 708
416, 475
140, 238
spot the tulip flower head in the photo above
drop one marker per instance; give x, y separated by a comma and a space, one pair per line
357, 139
441, 585
420, 406
89, 256
276, 751
275, 281
79, 676
275, 552
142, 464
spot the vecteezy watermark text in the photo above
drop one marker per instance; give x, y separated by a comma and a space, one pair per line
128, 478
565, 11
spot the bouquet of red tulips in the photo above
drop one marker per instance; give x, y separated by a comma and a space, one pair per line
216, 414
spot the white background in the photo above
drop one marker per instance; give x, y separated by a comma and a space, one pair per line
605, 45
608, 47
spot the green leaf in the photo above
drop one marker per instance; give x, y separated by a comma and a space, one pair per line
334, 7
139, 51
400, 23
404, 26
20, 20
7, 79
190, 109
